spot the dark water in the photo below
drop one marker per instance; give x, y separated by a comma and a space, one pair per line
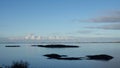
34, 55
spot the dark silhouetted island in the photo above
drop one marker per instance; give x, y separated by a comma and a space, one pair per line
61, 57
13, 46
56, 46
99, 57
90, 57
54, 55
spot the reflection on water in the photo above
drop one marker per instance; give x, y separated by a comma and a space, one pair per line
34, 55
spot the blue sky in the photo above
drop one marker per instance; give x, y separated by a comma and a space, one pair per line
79, 18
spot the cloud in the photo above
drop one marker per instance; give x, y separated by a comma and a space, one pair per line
110, 17
30, 36
33, 37
3, 39
110, 27
84, 31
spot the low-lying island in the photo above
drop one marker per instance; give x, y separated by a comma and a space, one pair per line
57, 46
102, 57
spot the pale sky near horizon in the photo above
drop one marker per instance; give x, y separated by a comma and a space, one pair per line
79, 18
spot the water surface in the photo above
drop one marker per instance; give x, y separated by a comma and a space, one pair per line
34, 55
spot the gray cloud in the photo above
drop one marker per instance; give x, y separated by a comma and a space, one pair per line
84, 31
110, 17
4, 39
106, 19
80, 32
110, 27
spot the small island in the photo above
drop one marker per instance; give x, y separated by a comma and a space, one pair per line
57, 46
102, 57
12, 46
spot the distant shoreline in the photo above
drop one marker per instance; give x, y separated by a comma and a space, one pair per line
50, 42
99, 42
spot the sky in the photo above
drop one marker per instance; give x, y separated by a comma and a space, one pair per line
33, 19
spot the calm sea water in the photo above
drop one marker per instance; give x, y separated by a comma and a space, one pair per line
34, 55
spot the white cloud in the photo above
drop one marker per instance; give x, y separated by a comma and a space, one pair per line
38, 37
33, 37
